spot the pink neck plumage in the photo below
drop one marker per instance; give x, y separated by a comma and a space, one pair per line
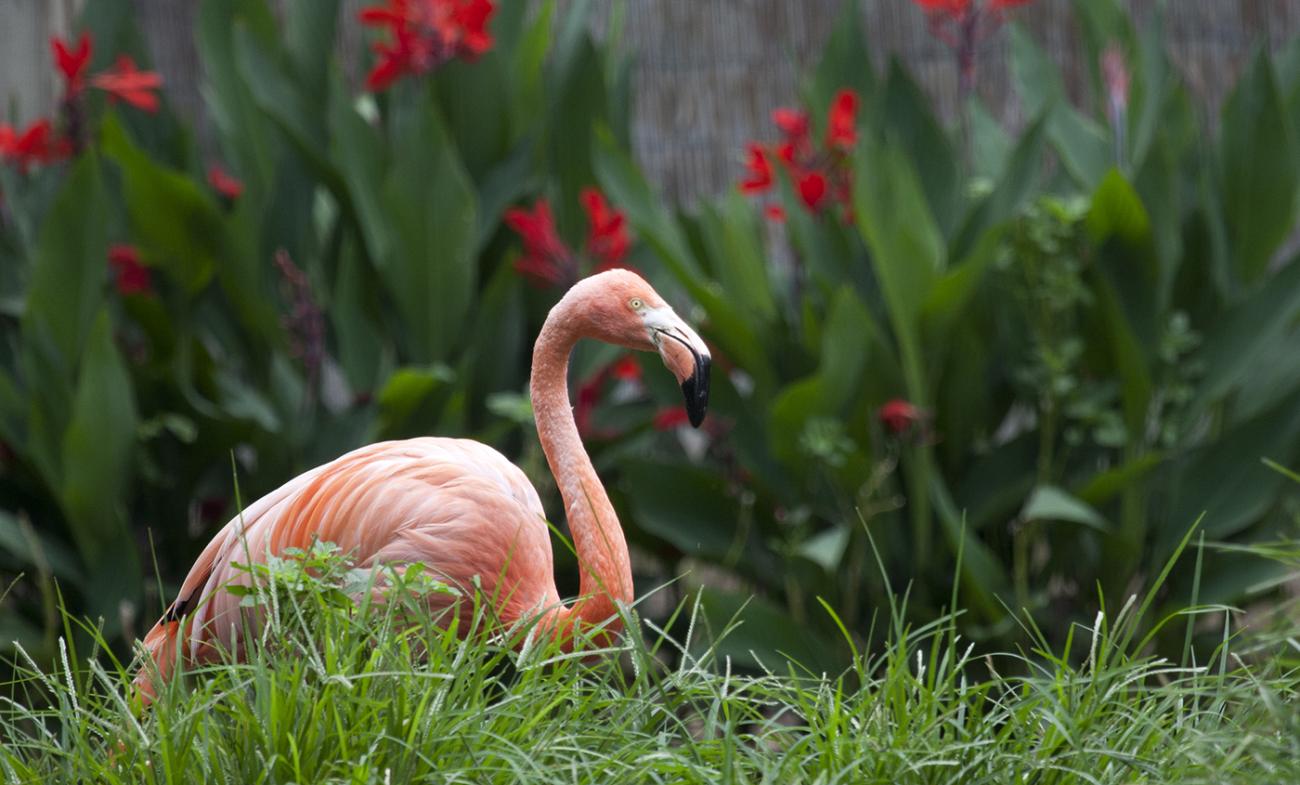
606, 571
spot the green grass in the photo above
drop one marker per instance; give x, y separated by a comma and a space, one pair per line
380, 694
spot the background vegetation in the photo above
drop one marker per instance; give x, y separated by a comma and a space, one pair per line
1032, 358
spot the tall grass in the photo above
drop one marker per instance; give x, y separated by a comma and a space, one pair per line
334, 691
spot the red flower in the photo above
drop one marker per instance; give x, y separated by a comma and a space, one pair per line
670, 418
37, 144
819, 175
792, 122
898, 415
547, 261
425, 34
812, 189
841, 126
760, 171
72, 63
126, 82
225, 185
130, 275
608, 238
626, 369
947, 7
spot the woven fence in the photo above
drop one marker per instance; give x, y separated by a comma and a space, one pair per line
709, 72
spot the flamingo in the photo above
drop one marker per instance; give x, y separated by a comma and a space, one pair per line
455, 505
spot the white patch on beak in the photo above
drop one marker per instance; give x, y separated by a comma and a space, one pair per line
665, 321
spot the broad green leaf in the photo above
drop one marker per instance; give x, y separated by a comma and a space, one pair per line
763, 635
907, 250
1260, 166
501, 186
687, 506
1017, 183
907, 113
98, 452
990, 145
310, 35
36, 550
405, 392
431, 272
246, 134
1049, 503
358, 153
1104, 486
1225, 479
179, 226
1082, 144
845, 61
1117, 211
740, 262
1245, 331
982, 577
71, 264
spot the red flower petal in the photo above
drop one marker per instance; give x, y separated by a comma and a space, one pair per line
774, 212
670, 419
223, 183
72, 62
841, 125
126, 82
547, 261
812, 189
130, 275
898, 415
792, 122
626, 369
608, 238
37, 144
759, 168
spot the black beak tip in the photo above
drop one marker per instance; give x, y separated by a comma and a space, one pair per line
696, 391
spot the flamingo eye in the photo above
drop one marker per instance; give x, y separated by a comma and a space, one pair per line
635, 304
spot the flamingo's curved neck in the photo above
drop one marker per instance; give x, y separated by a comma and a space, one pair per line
606, 572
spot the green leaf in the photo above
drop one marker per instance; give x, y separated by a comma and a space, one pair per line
311, 33
914, 127
1104, 486
1243, 333
826, 548
1225, 479
431, 272
1082, 144
406, 391
687, 506
1019, 181
32, 548
179, 226
763, 635
1259, 164
98, 451
1117, 211
907, 250
1049, 503
845, 61
71, 264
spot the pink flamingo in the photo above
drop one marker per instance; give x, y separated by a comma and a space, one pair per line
456, 505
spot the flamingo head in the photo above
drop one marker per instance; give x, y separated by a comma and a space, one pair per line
623, 309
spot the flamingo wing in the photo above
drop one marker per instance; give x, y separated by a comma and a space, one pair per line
455, 505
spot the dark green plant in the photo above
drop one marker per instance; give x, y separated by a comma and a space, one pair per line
1039, 369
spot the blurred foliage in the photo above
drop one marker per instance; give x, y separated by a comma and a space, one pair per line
1088, 317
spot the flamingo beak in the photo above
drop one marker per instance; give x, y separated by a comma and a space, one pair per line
687, 356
